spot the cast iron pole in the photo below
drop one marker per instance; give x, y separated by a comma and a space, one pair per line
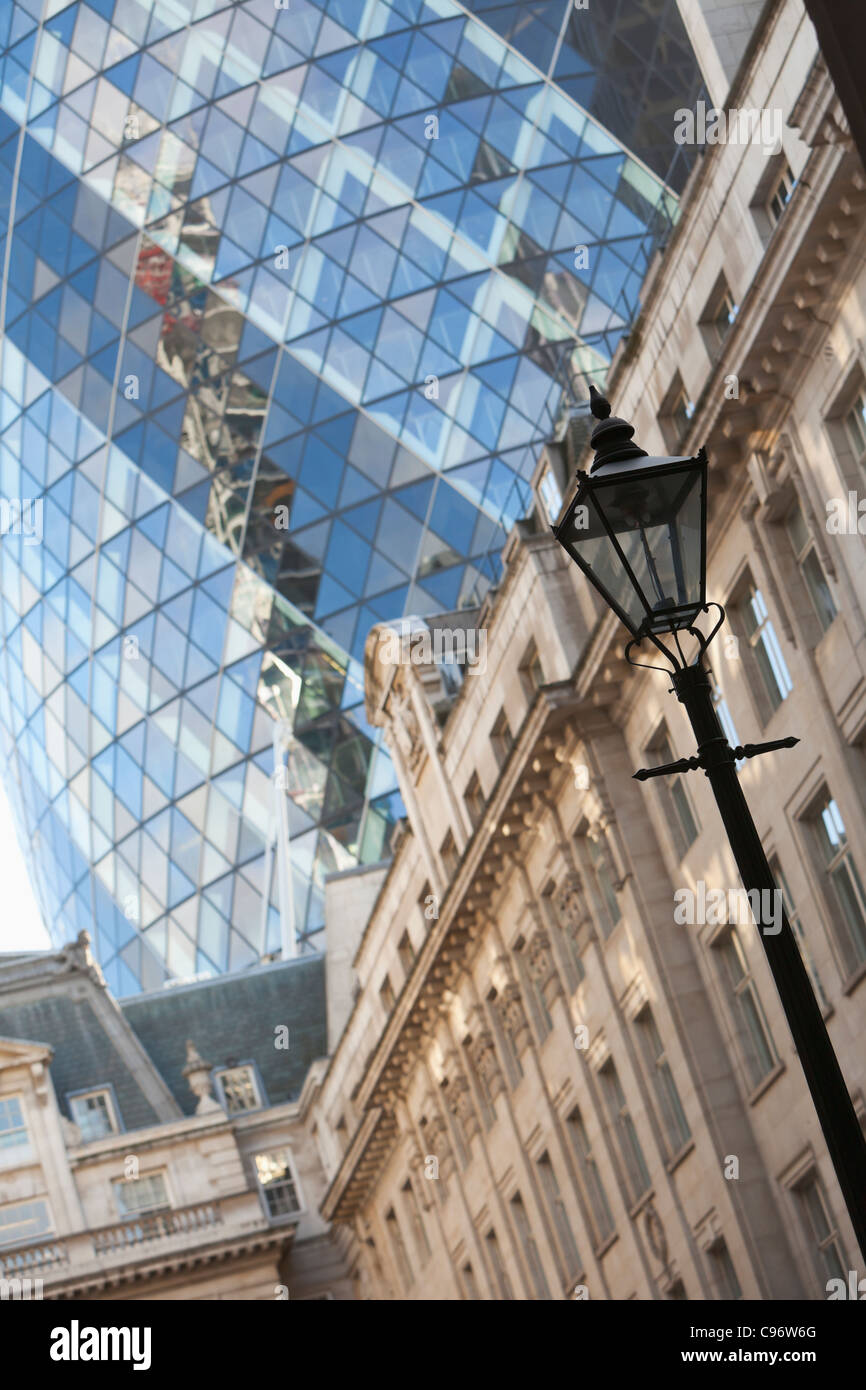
843, 1135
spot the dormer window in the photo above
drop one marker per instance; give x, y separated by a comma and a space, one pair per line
95, 1114
238, 1088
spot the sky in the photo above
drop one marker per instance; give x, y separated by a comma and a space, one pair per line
21, 926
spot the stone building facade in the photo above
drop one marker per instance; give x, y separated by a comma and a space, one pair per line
153, 1149
546, 1085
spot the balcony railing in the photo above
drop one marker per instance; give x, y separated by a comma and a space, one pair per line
156, 1225
85, 1255
34, 1259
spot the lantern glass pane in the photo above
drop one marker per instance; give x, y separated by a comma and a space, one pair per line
657, 523
602, 557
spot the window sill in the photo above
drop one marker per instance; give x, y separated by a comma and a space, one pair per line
680, 1156
644, 1200
854, 980
763, 1086
601, 1250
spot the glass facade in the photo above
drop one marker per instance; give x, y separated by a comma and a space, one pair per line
292, 295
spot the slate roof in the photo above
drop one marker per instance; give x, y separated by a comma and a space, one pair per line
84, 1054
233, 1018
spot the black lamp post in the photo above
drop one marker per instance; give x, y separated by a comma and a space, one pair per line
637, 527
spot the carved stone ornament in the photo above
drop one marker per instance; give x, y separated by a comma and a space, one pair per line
434, 1132
655, 1234
458, 1098
513, 1014
482, 1050
407, 730
542, 966
569, 904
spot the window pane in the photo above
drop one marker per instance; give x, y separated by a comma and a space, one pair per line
275, 1177
24, 1221
92, 1115
239, 1089
12, 1127
855, 423
849, 894
819, 590
141, 1194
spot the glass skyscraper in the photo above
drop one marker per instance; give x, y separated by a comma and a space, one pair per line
292, 294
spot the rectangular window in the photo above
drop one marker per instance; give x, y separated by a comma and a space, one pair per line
416, 1220
531, 673
588, 1172
450, 857
722, 1272
278, 1184
406, 952
13, 1130
526, 1240
427, 907
674, 1122
551, 495
398, 1248
855, 428
797, 928
342, 1132
569, 1260
532, 991
458, 1128
475, 803
752, 1030
386, 994
776, 683
135, 1196
819, 1226
674, 798
483, 1094
24, 1221
239, 1089
94, 1115
622, 1124
719, 314
608, 902
841, 882
496, 1265
559, 923
507, 1050
501, 738
780, 194
675, 414
806, 555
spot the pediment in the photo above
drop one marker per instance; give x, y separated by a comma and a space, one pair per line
17, 1052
